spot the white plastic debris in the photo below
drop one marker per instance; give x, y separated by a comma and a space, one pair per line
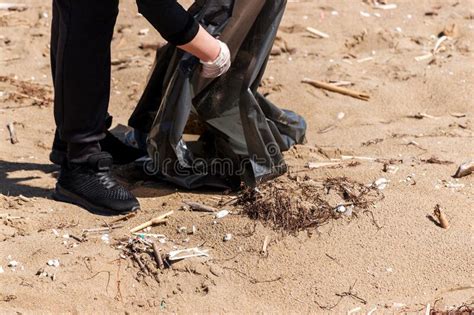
347, 211
341, 115
12, 6
1, 269
381, 183
53, 263
55, 232
341, 209
388, 6
453, 185
187, 253
13, 264
222, 214
437, 46
227, 237
105, 238
392, 169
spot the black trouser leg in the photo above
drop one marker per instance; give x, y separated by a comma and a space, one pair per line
80, 55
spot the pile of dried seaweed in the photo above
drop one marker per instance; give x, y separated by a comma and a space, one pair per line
291, 205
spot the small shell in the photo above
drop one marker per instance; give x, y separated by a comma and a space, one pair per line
53, 262
13, 264
465, 169
222, 214
381, 183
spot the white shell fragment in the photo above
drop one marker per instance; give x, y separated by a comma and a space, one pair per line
227, 237
347, 211
53, 262
105, 238
465, 169
381, 183
187, 253
222, 214
13, 264
341, 209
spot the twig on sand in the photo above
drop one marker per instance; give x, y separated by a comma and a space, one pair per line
140, 264
11, 131
316, 32
108, 278
158, 258
158, 220
337, 89
341, 296
200, 207
101, 230
264, 251
123, 218
439, 214
252, 279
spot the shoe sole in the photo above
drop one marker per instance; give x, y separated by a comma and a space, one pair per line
63, 195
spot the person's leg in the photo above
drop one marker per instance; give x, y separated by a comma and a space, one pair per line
58, 153
81, 65
82, 73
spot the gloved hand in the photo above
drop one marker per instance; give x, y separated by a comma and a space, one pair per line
218, 67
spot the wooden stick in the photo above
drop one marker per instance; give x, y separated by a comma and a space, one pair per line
101, 230
200, 207
443, 221
158, 258
11, 130
124, 218
154, 221
140, 264
337, 89
316, 32
265, 246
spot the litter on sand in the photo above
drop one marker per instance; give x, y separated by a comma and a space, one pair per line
158, 220
381, 183
465, 169
53, 262
442, 219
187, 253
222, 214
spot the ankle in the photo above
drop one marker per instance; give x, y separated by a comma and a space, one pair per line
80, 152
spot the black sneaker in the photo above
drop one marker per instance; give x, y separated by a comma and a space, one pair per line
91, 186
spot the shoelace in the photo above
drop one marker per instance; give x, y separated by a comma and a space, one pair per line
106, 180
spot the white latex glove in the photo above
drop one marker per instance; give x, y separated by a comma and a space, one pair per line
218, 67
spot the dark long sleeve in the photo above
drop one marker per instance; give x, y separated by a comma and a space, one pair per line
170, 19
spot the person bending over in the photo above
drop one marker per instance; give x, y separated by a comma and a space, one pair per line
81, 36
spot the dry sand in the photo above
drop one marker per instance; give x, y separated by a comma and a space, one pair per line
404, 265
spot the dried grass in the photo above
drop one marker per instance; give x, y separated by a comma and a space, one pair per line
291, 205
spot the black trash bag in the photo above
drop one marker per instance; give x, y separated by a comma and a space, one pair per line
242, 134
